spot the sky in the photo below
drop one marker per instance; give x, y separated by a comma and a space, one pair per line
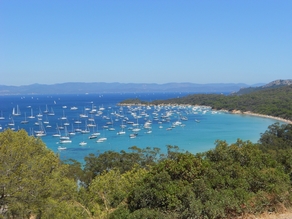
145, 41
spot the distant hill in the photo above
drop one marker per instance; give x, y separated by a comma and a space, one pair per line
273, 84
101, 87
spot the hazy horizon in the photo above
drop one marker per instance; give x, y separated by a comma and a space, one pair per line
127, 83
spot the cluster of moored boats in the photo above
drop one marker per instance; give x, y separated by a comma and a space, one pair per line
131, 119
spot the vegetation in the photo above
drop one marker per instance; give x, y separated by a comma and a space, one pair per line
226, 182
32, 182
269, 101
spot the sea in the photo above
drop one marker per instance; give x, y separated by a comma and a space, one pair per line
76, 125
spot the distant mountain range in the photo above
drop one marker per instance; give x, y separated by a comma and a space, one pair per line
273, 84
101, 87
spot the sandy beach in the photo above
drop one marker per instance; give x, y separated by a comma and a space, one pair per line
262, 115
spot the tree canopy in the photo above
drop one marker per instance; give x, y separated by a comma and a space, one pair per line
228, 181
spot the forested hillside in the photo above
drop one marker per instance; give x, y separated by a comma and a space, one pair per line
270, 101
229, 181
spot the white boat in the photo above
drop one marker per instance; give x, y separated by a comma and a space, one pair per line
136, 130
92, 137
101, 108
122, 132
184, 118
101, 140
91, 125
62, 148
83, 115
65, 141
40, 134
64, 138
56, 135
83, 143
134, 135
85, 131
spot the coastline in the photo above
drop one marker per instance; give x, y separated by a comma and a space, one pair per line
249, 113
262, 115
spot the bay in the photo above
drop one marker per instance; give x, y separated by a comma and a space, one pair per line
193, 129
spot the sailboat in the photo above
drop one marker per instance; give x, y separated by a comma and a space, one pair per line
25, 121
41, 132
2, 117
11, 123
122, 132
136, 129
31, 114
66, 136
112, 125
46, 110
47, 120
16, 112
64, 117
57, 134
72, 131
40, 113
86, 130
94, 134
102, 139
92, 123
51, 113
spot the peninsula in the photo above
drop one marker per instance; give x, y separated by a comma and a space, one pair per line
272, 100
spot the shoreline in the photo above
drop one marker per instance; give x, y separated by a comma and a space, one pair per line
262, 115
249, 113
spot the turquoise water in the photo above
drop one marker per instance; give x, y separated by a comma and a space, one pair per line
194, 129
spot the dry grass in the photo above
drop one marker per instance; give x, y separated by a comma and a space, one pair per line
281, 214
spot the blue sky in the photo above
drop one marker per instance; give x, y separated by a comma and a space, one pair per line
161, 41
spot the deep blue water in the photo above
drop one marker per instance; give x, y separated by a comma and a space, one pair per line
192, 129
